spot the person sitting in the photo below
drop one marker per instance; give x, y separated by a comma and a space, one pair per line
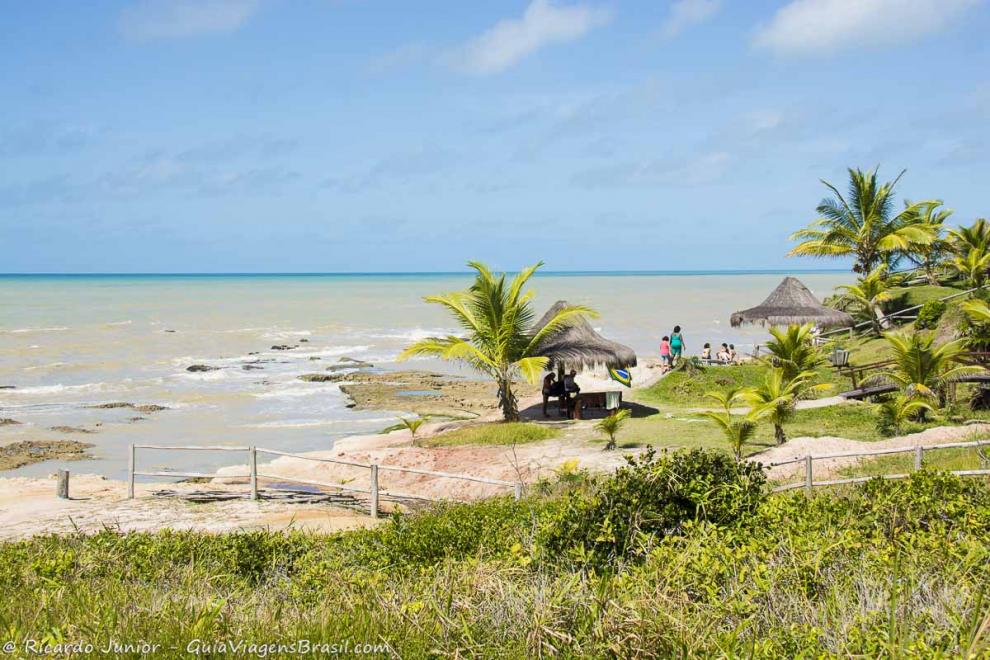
706, 353
548, 386
723, 354
571, 389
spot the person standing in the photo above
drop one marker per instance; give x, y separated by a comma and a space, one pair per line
548, 386
665, 354
677, 345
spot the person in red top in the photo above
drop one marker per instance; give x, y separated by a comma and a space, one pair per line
665, 353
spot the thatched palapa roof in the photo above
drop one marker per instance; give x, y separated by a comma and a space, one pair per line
579, 346
792, 302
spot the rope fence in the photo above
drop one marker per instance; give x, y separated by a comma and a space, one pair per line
919, 456
373, 490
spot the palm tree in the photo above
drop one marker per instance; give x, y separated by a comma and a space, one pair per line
413, 426
497, 318
793, 350
895, 412
868, 295
976, 236
778, 395
738, 430
922, 370
927, 257
972, 266
610, 425
862, 225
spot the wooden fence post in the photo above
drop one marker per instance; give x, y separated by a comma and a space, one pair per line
374, 490
63, 485
130, 470
919, 453
807, 472
253, 465
518, 491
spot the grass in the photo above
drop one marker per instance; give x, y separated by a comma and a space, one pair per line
685, 389
495, 433
893, 569
904, 297
959, 458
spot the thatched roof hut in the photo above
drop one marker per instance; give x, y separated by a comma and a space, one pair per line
578, 345
792, 302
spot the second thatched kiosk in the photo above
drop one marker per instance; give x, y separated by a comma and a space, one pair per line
792, 302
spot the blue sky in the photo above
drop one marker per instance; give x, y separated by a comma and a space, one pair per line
372, 135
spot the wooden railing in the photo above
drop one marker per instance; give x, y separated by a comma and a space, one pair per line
919, 453
373, 490
896, 315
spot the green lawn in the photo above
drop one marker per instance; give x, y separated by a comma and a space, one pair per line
496, 433
905, 297
688, 389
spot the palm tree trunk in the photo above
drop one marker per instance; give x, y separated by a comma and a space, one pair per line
507, 400
778, 433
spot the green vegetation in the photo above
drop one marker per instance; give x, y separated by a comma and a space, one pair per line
610, 425
679, 555
961, 458
498, 321
688, 388
866, 298
862, 224
919, 294
497, 433
737, 430
412, 425
929, 315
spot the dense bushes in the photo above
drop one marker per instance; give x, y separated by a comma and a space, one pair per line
651, 497
691, 558
930, 314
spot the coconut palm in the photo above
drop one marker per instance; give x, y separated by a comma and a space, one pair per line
972, 266
928, 257
778, 396
869, 294
862, 224
793, 350
413, 426
497, 318
900, 409
610, 425
921, 369
737, 429
976, 236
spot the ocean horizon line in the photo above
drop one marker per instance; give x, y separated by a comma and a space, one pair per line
451, 273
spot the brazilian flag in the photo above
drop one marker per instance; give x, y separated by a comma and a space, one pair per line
623, 376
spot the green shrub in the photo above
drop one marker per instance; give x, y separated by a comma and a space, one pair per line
620, 516
929, 314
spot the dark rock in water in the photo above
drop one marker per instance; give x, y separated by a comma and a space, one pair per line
113, 404
349, 363
315, 357
150, 408
283, 347
168, 331
136, 419
7, 421
201, 367
303, 341
254, 353
70, 429
320, 378
251, 367
8, 387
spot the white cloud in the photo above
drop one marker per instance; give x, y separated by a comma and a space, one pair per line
148, 20
687, 13
509, 41
808, 27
